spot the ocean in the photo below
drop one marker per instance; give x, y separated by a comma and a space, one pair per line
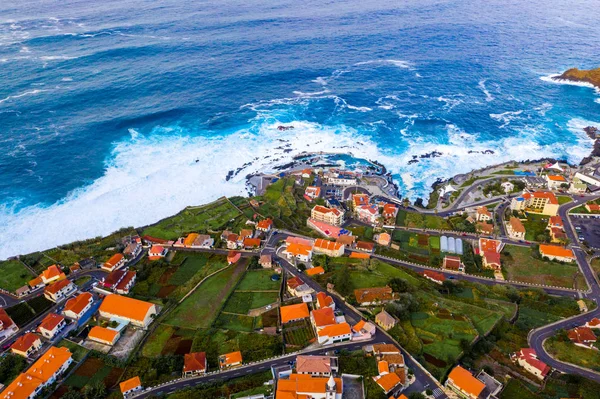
120, 113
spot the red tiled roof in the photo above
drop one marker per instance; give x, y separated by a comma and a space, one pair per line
24, 342
367, 246
434, 275
195, 361
54, 288
323, 317
51, 321
77, 304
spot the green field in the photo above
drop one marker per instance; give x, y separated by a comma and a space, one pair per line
13, 275
209, 217
78, 351
564, 350
379, 275
563, 199
237, 322
535, 227
258, 280
414, 219
199, 309
242, 302
515, 389
520, 265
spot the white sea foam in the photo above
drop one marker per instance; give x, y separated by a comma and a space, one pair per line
398, 63
507, 117
148, 177
450, 101
551, 79
361, 109
310, 94
597, 100
56, 57
25, 93
488, 95
320, 80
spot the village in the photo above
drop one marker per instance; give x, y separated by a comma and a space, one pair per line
324, 268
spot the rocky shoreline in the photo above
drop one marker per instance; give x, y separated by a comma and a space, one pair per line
591, 76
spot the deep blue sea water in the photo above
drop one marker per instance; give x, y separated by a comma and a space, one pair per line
106, 106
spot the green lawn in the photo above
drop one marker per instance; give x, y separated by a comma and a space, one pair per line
242, 302
78, 351
258, 280
379, 276
563, 199
520, 265
535, 227
203, 218
82, 280
156, 342
235, 322
13, 275
515, 389
200, 309
568, 352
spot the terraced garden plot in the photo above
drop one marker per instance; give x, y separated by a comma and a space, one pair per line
14, 275
520, 265
299, 333
200, 309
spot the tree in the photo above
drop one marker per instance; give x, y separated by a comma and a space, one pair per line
72, 394
416, 395
398, 285
342, 282
96, 390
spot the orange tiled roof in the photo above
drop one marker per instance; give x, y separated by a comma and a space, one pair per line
383, 367
103, 334
482, 210
195, 361
298, 249
486, 244
324, 300
323, 209
298, 240
346, 239
130, 384
231, 358
244, 233
265, 224
251, 242
323, 317
485, 228
126, 307
556, 220
556, 250
385, 348
294, 282
452, 262
51, 321
24, 342
464, 380
59, 285
116, 258
315, 271
556, 178
516, 225
77, 304
49, 363
359, 326
22, 387
491, 257
368, 246
437, 276
300, 386
51, 272
359, 255
335, 330
293, 312
35, 282
327, 245
189, 240
387, 382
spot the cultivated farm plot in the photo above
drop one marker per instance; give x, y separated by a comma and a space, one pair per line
520, 265
298, 334
199, 310
13, 275
92, 370
258, 280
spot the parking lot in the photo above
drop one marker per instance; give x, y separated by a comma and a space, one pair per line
588, 229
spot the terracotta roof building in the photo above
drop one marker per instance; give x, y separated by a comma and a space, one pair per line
385, 320
515, 228
334, 333
26, 344
230, 360
331, 216
8, 328
374, 295
304, 386
316, 365
329, 248
194, 364
527, 358
324, 301
264, 225
103, 335
52, 274
139, 313
291, 313
76, 307
365, 246
115, 262
130, 386
463, 382
322, 317
453, 263
51, 325
556, 252
157, 252
60, 290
